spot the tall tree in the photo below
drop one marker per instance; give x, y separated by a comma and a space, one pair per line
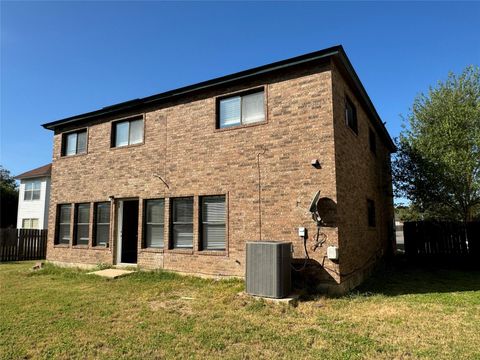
437, 166
8, 199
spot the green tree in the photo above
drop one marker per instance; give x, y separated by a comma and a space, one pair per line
437, 166
8, 199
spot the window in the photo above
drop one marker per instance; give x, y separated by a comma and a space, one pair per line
154, 223
102, 224
127, 132
63, 227
371, 213
241, 110
74, 143
213, 223
182, 223
82, 224
351, 115
32, 190
30, 224
372, 140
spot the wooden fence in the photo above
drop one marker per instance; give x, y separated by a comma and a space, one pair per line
22, 244
440, 238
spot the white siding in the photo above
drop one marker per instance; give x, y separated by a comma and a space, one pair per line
34, 209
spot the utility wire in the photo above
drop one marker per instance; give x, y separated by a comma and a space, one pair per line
260, 194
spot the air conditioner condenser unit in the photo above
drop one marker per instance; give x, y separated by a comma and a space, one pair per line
268, 268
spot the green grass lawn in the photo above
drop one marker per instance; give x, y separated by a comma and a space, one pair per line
60, 313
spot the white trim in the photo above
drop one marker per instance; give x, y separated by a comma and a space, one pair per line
119, 232
34, 209
125, 265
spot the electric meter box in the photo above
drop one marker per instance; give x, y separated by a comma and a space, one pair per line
332, 253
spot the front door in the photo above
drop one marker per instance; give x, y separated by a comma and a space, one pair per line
129, 232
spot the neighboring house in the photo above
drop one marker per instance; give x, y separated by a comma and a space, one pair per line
33, 198
172, 180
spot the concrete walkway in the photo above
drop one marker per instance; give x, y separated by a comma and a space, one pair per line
112, 273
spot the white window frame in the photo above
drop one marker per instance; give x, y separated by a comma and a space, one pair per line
31, 190
29, 222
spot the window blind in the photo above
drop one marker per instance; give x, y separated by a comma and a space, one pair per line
213, 222
64, 224
136, 132
182, 222
81, 142
102, 223
121, 133
243, 109
230, 111
253, 108
82, 225
155, 210
71, 148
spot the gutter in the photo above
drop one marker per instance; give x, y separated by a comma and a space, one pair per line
172, 94
228, 79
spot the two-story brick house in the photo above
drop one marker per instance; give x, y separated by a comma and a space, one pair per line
181, 180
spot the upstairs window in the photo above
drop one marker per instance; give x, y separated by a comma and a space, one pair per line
213, 223
102, 224
182, 223
351, 115
371, 213
372, 140
82, 224
154, 223
245, 109
74, 143
128, 132
63, 224
32, 190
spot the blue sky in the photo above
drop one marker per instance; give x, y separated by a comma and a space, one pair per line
64, 58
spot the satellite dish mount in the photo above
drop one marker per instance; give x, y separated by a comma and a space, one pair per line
320, 238
314, 209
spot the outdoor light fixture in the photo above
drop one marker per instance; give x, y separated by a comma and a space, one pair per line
111, 198
315, 163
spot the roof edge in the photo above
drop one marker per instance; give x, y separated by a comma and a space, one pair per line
41, 171
353, 74
336, 50
170, 94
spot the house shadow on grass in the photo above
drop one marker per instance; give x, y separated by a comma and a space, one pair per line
403, 277
308, 276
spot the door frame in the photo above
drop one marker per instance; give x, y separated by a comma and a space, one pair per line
118, 229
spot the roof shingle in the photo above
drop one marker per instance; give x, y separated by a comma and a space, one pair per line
42, 171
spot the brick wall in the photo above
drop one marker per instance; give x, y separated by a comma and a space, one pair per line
182, 145
360, 175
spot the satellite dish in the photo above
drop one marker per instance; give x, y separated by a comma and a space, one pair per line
313, 205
